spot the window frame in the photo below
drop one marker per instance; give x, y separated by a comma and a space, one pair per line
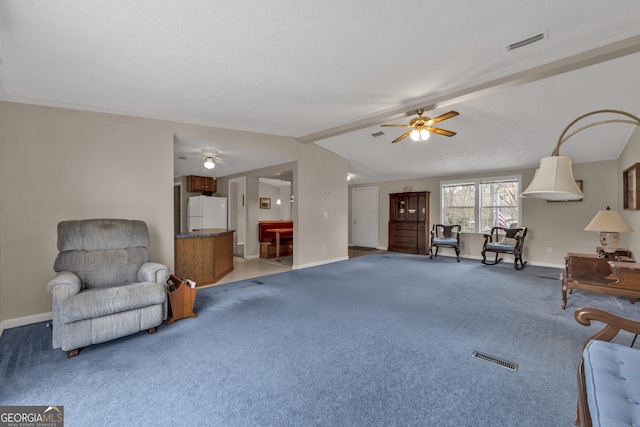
477, 196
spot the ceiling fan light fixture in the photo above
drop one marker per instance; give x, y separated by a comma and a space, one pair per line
209, 157
419, 135
421, 127
209, 162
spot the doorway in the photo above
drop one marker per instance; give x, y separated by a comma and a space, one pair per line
365, 217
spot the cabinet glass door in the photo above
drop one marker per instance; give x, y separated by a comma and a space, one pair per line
422, 208
412, 208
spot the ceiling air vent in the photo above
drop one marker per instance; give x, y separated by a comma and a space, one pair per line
528, 40
377, 134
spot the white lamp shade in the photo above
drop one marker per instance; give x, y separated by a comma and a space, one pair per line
608, 222
554, 180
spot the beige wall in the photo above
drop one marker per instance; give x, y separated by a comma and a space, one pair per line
321, 197
271, 192
58, 164
630, 156
559, 226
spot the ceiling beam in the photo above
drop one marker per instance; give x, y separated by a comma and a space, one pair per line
600, 54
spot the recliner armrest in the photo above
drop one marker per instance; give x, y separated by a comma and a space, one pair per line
153, 272
63, 285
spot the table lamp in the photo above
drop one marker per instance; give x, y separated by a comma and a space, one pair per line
609, 224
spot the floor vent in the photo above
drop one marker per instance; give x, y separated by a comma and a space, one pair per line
385, 256
258, 282
512, 366
526, 41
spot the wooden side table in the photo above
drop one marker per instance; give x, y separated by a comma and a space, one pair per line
602, 275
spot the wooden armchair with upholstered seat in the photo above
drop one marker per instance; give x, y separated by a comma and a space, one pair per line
504, 240
447, 236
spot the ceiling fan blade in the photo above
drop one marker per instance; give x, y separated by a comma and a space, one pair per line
404, 135
398, 125
445, 116
440, 131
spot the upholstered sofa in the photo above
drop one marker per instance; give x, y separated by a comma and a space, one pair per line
609, 374
105, 286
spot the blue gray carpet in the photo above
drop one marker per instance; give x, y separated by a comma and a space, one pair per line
379, 340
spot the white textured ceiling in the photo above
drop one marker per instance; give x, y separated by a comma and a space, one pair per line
338, 69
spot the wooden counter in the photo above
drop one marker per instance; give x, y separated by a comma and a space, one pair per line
204, 256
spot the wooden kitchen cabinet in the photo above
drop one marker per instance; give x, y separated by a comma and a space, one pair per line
201, 184
204, 256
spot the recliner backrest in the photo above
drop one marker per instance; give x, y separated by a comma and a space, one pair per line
102, 252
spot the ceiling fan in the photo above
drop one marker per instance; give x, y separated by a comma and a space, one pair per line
421, 126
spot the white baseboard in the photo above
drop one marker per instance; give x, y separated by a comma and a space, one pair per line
251, 256
26, 320
509, 259
380, 248
315, 264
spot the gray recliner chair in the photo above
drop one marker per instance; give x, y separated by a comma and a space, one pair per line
105, 286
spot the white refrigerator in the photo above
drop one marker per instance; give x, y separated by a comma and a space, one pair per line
206, 212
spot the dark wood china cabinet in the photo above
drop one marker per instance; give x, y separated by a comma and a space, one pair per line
409, 222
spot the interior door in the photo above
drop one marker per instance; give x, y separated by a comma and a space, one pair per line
365, 217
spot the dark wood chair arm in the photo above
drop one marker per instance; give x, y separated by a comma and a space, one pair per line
614, 324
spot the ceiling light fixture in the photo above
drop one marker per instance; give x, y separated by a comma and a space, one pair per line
209, 157
209, 162
553, 180
419, 135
